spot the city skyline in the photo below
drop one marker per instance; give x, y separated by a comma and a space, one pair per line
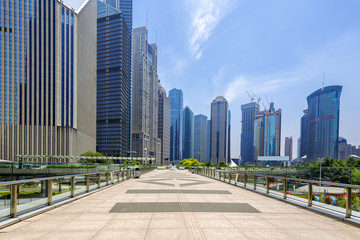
294, 55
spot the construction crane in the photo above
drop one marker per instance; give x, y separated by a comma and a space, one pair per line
258, 98
251, 97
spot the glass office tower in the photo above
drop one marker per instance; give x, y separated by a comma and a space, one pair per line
188, 133
176, 101
323, 123
200, 137
48, 77
303, 134
248, 113
113, 82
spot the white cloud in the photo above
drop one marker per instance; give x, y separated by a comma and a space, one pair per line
219, 76
260, 85
205, 16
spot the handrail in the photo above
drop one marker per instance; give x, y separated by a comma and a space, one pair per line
212, 174
56, 177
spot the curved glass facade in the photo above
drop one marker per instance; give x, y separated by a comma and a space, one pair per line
323, 123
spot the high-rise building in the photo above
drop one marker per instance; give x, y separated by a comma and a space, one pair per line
188, 133
267, 133
126, 8
200, 134
145, 139
164, 125
208, 137
323, 123
298, 148
288, 147
48, 77
219, 149
113, 117
303, 133
229, 137
176, 101
249, 111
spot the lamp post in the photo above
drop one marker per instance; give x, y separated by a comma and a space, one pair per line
320, 160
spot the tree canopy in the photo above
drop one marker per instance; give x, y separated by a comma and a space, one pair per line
92, 161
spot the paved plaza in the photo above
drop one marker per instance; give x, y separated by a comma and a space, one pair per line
175, 204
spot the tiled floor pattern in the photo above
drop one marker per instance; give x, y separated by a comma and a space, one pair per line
90, 217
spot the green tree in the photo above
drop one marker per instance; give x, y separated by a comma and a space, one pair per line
94, 160
190, 162
222, 164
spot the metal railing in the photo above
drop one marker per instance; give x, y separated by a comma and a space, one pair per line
244, 179
46, 195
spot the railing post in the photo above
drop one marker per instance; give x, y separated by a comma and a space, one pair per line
87, 183
267, 185
72, 187
285, 188
107, 178
118, 177
112, 177
245, 180
310, 193
255, 178
13, 200
236, 178
348, 202
99, 180
49, 192
229, 177
123, 176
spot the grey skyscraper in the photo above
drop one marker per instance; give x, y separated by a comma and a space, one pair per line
303, 133
145, 139
288, 147
188, 133
126, 8
219, 131
176, 101
113, 82
248, 113
164, 125
200, 137
48, 77
323, 123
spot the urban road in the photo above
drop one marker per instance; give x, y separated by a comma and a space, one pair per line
175, 204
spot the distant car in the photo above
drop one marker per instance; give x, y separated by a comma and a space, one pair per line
181, 168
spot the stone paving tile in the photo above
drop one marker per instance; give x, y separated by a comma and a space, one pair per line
89, 217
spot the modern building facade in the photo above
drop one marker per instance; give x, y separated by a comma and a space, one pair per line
126, 8
303, 134
145, 139
288, 147
176, 101
267, 133
200, 137
164, 124
48, 78
219, 141
323, 123
188, 133
113, 126
208, 132
248, 113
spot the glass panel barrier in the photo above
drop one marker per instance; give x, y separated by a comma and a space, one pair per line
80, 185
61, 189
261, 184
93, 182
276, 186
31, 195
4, 201
103, 179
297, 191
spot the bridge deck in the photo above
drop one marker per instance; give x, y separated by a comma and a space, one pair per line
166, 204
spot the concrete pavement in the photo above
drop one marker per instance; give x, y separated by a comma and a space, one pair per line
165, 204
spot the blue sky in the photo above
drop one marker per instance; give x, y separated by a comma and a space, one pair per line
279, 49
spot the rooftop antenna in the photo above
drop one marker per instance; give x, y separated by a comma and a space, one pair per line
146, 18
323, 84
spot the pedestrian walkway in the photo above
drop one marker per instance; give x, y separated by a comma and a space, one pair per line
175, 204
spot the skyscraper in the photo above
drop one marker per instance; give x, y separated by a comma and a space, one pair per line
249, 111
200, 137
229, 137
288, 147
303, 133
48, 77
267, 133
208, 137
164, 125
126, 8
145, 139
219, 150
188, 133
323, 123
176, 101
113, 82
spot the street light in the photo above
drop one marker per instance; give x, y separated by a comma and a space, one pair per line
320, 160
